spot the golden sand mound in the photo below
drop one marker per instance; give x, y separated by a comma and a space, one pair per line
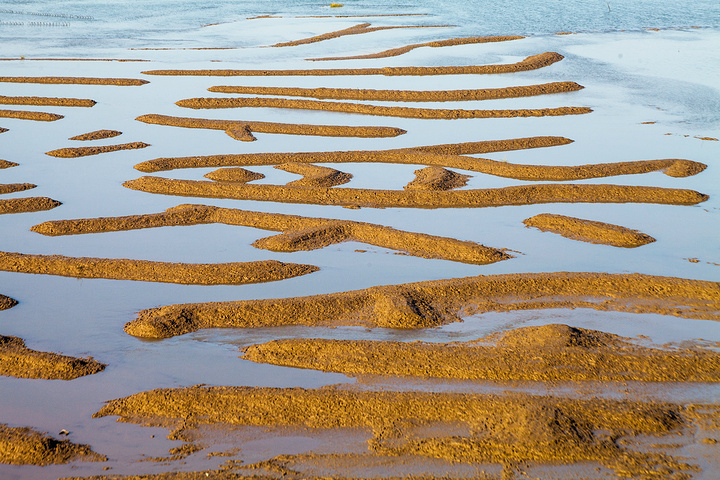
76, 80
7, 302
436, 178
363, 109
241, 130
96, 135
474, 198
547, 353
15, 187
75, 152
26, 115
299, 233
30, 204
236, 174
238, 273
433, 303
354, 30
16, 360
7, 164
532, 62
58, 102
394, 52
25, 446
589, 231
314, 176
405, 95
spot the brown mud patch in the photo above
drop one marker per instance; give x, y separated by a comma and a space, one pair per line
547, 353
436, 178
241, 130
394, 52
16, 360
406, 95
472, 198
7, 302
27, 115
485, 428
364, 109
96, 135
76, 80
237, 273
7, 164
76, 152
299, 233
236, 174
314, 175
532, 62
25, 446
15, 187
30, 204
354, 30
43, 101
434, 303
589, 230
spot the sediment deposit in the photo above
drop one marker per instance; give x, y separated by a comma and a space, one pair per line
16, 360
354, 30
29, 115
58, 102
96, 135
29, 204
76, 152
25, 446
589, 231
76, 80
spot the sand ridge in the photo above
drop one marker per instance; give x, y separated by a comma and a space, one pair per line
405, 95
7, 302
532, 62
96, 135
354, 30
235, 174
15, 187
16, 360
76, 81
58, 102
25, 446
314, 175
237, 273
547, 353
28, 115
29, 204
299, 233
434, 303
3, 130
589, 230
76, 152
7, 164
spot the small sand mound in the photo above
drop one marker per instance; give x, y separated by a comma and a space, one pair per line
30, 204
16, 360
437, 178
96, 135
589, 231
76, 152
15, 187
25, 446
237, 175
7, 164
7, 302
27, 115
314, 176
44, 101
556, 336
75, 80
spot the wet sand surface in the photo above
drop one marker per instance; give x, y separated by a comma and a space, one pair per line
589, 231
16, 360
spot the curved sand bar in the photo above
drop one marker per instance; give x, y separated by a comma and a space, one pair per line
29, 204
28, 115
76, 152
532, 62
405, 95
57, 102
15, 187
76, 80
547, 353
354, 30
434, 303
475, 198
241, 130
96, 135
299, 233
589, 231
7, 164
314, 175
25, 446
238, 273
363, 109
16, 360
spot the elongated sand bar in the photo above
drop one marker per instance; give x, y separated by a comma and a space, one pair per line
589, 231
58, 102
25, 446
241, 130
29, 115
532, 62
394, 52
299, 233
405, 95
29, 204
7, 302
314, 175
76, 80
475, 198
16, 360
354, 30
15, 187
96, 135
7, 164
434, 303
3, 130
76, 152
547, 353
364, 109
237, 273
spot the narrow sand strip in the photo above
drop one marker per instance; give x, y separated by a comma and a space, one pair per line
7, 164
406, 95
7, 302
474, 198
27, 115
394, 52
299, 233
237, 273
96, 135
25, 446
314, 176
532, 62
76, 80
354, 30
241, 130
30, 204
589, 231
364, 109
236, 174
436, 179
16, 360
75, 152
434, 303
57, 102
547, 353
15, 187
